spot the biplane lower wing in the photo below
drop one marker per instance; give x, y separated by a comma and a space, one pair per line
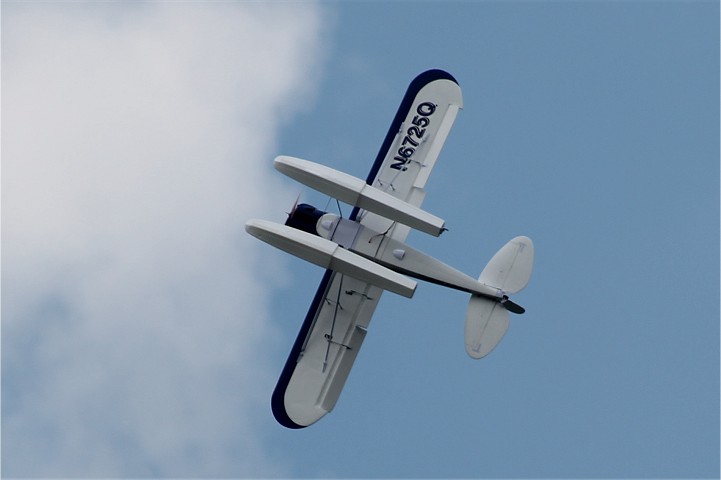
336, 323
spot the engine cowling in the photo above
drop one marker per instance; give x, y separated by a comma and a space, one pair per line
304, 217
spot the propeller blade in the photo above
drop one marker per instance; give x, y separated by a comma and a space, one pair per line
295, 205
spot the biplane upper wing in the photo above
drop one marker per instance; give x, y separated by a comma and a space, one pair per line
337, 321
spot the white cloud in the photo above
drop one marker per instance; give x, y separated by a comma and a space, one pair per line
136, 141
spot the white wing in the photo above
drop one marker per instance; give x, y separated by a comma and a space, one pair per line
413, 142
337, 321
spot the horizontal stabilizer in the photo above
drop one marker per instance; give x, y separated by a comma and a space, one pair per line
486, 323
330, 255
510, 268
357, 192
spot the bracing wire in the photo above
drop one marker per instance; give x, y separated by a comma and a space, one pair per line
329, 336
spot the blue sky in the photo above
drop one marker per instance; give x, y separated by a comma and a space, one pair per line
593, 128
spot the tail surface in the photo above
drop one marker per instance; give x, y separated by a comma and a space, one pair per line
486, 323
487, 319
510, 268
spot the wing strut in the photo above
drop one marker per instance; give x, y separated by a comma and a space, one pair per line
329, 336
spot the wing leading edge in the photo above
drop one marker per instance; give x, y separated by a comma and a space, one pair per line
336, 323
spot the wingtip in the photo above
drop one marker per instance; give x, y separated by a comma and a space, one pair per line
434, 74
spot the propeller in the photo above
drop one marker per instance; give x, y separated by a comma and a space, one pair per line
295, 205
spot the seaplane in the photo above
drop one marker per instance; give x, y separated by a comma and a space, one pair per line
365, 254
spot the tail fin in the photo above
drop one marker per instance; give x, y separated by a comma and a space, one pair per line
487, 319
